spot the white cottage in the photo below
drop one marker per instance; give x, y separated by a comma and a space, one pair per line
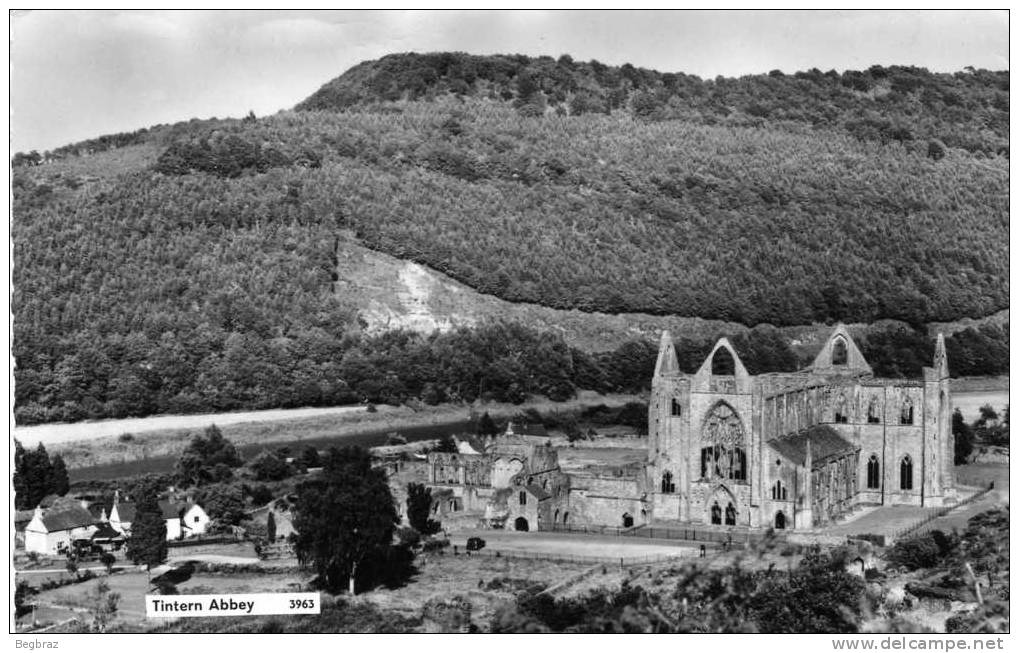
52, 532
193, 521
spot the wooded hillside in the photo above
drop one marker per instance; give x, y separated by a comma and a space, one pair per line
192, 267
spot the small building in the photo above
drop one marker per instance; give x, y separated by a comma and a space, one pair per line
193, 521
52, 532
108, 538
121, 514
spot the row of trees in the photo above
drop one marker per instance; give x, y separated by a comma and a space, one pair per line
967, 109
37, 475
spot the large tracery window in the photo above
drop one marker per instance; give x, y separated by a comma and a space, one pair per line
668, 487
873, 473
906, 473
724, 455
778, 491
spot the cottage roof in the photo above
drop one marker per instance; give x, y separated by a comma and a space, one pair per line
171, 509
825, 443
64, 519
126, 510
107, 532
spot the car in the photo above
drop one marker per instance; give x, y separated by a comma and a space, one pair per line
475, 544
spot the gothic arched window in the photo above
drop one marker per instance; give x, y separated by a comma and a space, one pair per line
723, 455
778, 491
841, 412
730, 515
906, 417
722, 363
873, 473
906, 473
839, 354
874, 412
716, 513
523, 498
668, 487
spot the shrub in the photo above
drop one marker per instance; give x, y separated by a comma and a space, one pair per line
915, 553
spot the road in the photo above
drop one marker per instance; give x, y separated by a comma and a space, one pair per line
30, 436
572, 544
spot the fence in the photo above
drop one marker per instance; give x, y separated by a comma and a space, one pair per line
625, 561
924, 525
663, 533
201, 541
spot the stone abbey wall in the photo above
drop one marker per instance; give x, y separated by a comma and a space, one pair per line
711, 438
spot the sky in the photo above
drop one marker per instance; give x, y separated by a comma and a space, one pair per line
81, 74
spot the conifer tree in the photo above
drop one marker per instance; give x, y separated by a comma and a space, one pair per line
147, 543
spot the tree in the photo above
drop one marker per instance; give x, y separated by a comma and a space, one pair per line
487, 426
59, 482
963, 438
108, 560
446, 445
205, 459
269, 467
270, 527
419, 509
224, 502
71, 564
310, 457
102, 606
345, 518
147, 543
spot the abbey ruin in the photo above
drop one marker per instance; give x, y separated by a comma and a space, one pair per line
727, 449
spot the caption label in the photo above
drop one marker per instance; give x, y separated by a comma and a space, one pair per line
231, 605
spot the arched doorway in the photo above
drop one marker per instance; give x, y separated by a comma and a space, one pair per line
627, 520
716, 513
730, 515
520, 524
779, 520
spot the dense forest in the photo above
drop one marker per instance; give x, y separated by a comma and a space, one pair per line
191, 267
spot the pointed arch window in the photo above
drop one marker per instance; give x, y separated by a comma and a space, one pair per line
668, 486
841, 412
716, 513
839, 353
677, 408
906, 416
523, 498
778, 491
730, 515
723, 455
874, 412
906, 473
873, 473
722, 363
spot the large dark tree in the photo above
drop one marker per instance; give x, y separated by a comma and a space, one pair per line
147, 543
59, 482
963, 438
33, 476
208, 458
419, 509
345, 519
